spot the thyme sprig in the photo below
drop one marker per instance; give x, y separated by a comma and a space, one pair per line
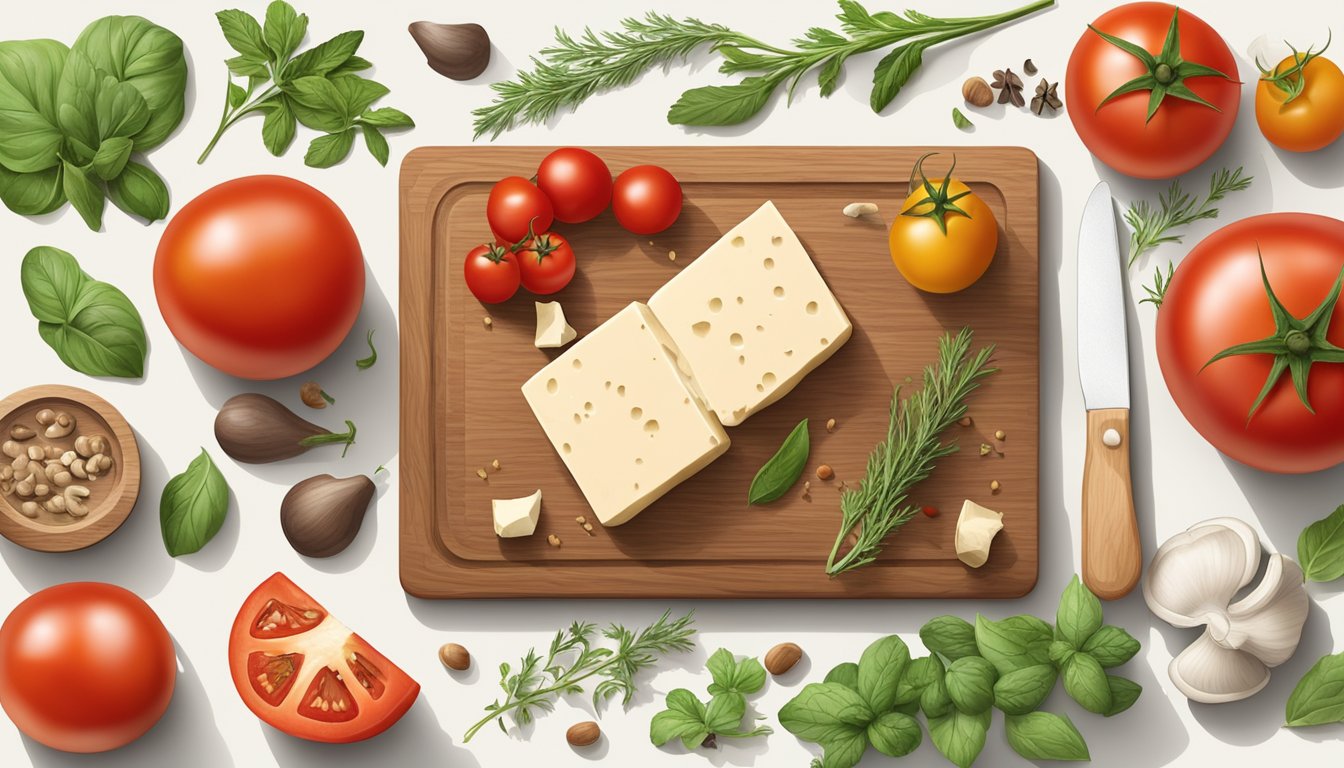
1176, 208
1158, 292
913, 445
573, 659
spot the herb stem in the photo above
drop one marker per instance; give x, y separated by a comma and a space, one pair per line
564, 683
227, 119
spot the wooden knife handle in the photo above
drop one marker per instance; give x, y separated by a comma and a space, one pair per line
1112, 555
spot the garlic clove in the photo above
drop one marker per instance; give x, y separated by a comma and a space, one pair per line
1209, 673
1268, 622
1195, 574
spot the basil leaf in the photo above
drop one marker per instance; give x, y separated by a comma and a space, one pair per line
139, 191
110, 159
895, 734
278, 127
781, 471
236, 96
321, 59
880, 669
1111, 646
825, 713
377, 144
959, 736
1320, 548
30, 74
1023, 690
1319, 696
92, 326
387, 117
143, 54
724, 713
683, 719
120, 110
846, 674
284, 29
935, 700
1045, 736
76, 95
32, 194
845, 750
919, 675
85, 195
1015, 643
326, 151
1087, 684
732, 676
1123, 694
193, 506
246, 66
951, 636
722, 104
1079, 614
894, 71
357, 93
960, 120
970, 684
243, 34
317, 104
351, 65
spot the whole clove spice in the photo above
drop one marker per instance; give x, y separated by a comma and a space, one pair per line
1046, 96
1009, 86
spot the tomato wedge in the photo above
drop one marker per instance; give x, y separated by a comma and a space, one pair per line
303, 672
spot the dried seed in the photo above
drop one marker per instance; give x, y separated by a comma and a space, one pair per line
830, 425
588, 527
985, 449
671, 255
965, 421
481, 474
553, 540
976, 92
994, 486
583, 734
495, 465
580, 519
487, 322
782, 658
1000, 435
855, 210
824, 472
454, 656
1029, 67
1046, 96
1010, 87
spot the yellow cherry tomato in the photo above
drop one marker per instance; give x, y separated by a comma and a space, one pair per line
946, 256
1301, 109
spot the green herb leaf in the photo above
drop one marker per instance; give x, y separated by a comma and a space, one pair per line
85, 195
732, 676
1123, 694
970, 684
683, 719
1024, 690
1015, 643
935, 700
278, 127
1087, 684
246, 66
779, 474
724, 713
120, 110
894, 71
357, 93
111, 158
1045, 736
846, 674
1319, 696
243, 34
148, 57
1176, 209
318, 104
76, 94
722, 104
365, 363
895, 734
32, 194
880, 669
377, 144
326, 151
960, 120
1111, 646
139, 191
920, 674
326, 57
30, 74
1079, 615
1320, 548
92, 326
193, 506
236, 95
1060, 652
952, 636
844, 751
387, 117
284, 30
959, 736
827, 714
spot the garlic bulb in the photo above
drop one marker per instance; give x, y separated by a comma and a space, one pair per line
1192, 581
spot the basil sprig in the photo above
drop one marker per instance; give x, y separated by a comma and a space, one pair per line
73, 119
698, 724
320, 88
91, 325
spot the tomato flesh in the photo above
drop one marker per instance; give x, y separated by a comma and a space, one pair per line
301, 671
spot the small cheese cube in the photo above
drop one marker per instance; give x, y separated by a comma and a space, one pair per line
752, 316
516, 517
552, 330
624, 415
976, 528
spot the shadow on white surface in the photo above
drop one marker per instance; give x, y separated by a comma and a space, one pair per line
415, 740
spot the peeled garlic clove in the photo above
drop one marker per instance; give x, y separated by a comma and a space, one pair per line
1268, 622
1195, 574
1209, 673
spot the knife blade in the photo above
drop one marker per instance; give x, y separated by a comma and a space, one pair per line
1112, 555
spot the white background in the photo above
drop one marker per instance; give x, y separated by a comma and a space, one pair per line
1178, 478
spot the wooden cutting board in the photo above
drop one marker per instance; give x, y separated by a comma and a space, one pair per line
461, 408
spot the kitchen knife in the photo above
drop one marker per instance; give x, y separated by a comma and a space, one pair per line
1112, 556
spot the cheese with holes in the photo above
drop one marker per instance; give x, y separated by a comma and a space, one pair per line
752, 316
623, 413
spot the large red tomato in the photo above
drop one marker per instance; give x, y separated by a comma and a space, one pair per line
300, 670
1218, 300
261, 277
1125, 132
85, 667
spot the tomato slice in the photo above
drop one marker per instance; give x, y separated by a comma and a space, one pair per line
303, 672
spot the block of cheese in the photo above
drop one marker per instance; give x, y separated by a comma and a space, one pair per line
752, 316
516, 517
624, 415
552, 330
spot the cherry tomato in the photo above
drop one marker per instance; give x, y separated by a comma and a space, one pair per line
547, 263
1118, 129
85, 667
517, 208
1217, 300
492, 273
1309, 120
646, 199
303, 672
577, 182
261, 277
945, 236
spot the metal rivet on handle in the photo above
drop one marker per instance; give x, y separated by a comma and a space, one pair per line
1111, 438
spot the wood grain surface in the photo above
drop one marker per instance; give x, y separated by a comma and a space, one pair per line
461, 408
1112, 554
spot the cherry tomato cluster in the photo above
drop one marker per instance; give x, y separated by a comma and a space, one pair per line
572, 186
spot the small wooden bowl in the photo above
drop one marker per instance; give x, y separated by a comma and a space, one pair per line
113, 494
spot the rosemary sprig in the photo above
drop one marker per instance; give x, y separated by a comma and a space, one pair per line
572, 659
1161, 283
1176, 208
569, 72
907, 456
1292, 81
